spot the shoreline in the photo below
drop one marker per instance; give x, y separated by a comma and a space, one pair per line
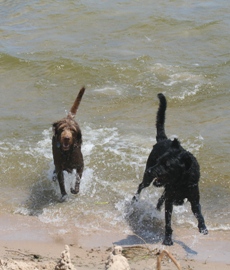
24, 238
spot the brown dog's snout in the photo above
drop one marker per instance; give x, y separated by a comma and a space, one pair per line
66, 139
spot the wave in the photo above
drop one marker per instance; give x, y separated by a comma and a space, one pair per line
8, 60
178, 82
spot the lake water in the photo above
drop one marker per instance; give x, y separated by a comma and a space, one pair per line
124, 52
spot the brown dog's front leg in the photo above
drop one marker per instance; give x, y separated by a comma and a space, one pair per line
76, 188
60, 177
79, 172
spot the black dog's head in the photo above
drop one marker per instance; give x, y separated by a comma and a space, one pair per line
171, 166
67, 133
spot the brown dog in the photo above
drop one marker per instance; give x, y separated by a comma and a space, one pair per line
66, 146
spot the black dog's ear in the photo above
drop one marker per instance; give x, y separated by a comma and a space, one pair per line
186, 159
175, 143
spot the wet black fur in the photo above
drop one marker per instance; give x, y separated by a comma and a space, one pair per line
170, 166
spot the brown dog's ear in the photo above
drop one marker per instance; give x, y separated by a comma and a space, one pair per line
79, 138
175, 143
54, 129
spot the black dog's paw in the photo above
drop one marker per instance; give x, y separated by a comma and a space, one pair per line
167, 241
159, 204
158, 207
203, 230
135, 198
64, 198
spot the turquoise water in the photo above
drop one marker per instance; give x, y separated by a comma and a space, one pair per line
124, 52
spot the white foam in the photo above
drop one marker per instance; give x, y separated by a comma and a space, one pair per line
7, 147
87, 181
53, 216
220, 227
194, 145
109, 154
109, 90
22, 211
180, 82
187, 93
88, 148
44, 147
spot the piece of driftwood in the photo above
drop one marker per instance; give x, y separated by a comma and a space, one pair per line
160, 257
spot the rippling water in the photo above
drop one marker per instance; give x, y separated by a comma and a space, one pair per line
124, 52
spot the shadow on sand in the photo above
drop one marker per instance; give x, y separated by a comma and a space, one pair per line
146, 228
42, 194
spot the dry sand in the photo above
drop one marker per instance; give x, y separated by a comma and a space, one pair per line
31, 247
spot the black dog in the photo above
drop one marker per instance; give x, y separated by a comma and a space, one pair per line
170, 166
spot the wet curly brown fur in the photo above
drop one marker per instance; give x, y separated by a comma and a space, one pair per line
66, 146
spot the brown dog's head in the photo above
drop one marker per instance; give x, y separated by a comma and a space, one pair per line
67, 133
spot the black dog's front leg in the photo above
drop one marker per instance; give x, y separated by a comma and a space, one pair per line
196, 209
194, 198
168, 229
160, 201
147, 179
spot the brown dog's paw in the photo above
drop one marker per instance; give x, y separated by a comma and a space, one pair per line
76, 189
73, 191
54, 178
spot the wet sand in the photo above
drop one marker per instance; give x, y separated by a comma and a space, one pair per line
26, 240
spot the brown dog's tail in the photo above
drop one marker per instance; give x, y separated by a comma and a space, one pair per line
160, 123
77, 102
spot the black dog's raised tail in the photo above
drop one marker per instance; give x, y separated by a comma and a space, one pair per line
160, 122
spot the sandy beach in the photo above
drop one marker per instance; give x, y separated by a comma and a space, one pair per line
31, 247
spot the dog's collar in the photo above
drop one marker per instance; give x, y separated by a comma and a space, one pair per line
58, 145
